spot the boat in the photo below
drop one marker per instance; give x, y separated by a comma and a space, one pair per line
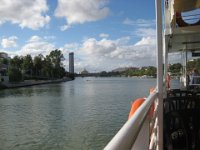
175, 123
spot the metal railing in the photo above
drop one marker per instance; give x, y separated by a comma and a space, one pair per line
128, 134
194, 81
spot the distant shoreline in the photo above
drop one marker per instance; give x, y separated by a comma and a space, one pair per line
26, 83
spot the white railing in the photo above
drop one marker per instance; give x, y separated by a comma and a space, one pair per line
139, 128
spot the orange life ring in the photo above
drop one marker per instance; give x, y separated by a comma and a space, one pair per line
151, 111
168, 79
135, 105
151, 90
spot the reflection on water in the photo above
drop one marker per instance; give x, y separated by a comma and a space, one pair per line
81, 114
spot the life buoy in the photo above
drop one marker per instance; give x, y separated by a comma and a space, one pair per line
168, 80
135, 105
151, 111
151, 90
182, 23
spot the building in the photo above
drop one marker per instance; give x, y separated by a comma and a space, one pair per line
3, 55
3, 68
84, 72
71, 63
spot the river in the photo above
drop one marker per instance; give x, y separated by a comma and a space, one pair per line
83, 114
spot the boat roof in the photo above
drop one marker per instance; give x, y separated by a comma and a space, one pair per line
180, 31
184, 38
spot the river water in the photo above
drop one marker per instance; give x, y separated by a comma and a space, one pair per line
83, 114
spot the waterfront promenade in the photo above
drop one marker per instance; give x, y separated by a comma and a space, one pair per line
31, 83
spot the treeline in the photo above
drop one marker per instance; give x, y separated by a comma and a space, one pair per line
177, 68
193, 64
39, 67
132, 71
148, 71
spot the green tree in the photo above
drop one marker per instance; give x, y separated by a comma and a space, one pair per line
175, 68
27, 65
151, 71
47, 67
4, 61
16, 62
56, 57
14, 74
193, 64
38, 64
14, 71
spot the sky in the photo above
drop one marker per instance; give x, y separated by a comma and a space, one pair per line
103, 34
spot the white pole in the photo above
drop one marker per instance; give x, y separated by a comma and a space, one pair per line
159, 72
165, 59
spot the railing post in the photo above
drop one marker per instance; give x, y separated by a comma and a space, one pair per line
159, 72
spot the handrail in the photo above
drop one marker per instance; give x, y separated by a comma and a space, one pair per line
197, 77
127, 135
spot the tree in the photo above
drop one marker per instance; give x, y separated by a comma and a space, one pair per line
38, 64
14, 71
47, 67
14, 74
27, 64
4, 61
151, 71
56, 57
175, 68
16, 62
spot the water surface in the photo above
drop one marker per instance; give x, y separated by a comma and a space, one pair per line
83, 114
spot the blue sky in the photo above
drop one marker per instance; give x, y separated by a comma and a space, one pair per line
103, 34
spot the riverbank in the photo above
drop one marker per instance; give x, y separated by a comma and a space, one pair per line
26, 83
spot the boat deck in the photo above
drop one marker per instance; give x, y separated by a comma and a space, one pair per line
181, 120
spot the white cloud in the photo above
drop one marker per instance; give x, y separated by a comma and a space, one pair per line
28, 14
81, 11
100, 48
71, 46
107, 54
139, 22
65, 27
51, 37
34, 38
103, 35
146, 41
36, 48
97, 55
145, 32
36, 45
9, 42
39, 45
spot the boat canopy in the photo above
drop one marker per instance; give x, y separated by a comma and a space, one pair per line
182, 28
182, 39
186, 5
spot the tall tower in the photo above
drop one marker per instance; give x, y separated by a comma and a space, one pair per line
71, 63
